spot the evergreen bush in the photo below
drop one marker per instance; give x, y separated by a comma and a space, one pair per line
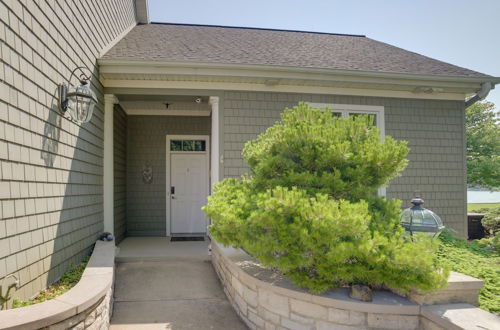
491, 221
309, 206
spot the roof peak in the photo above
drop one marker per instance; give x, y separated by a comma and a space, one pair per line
255, 28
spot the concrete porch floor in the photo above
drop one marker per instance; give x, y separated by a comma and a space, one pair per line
169, 285
160, 249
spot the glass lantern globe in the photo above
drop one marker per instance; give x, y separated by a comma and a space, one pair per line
81, 102
418, 219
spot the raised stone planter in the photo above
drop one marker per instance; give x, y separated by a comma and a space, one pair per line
88, 305
266, 300
460, 289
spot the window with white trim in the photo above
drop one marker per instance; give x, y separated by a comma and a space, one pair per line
346, 110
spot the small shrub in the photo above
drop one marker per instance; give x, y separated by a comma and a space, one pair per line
492, 243
491, 221
309, 206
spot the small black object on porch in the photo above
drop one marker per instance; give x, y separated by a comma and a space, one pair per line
186, 238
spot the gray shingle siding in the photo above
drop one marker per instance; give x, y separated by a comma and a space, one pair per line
51, 207
146, 203
434, 131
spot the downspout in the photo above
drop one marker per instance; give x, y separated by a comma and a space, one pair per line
485, 90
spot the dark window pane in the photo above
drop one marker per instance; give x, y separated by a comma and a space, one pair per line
175, 145
187, 145
337, 114
373, 117
199, 145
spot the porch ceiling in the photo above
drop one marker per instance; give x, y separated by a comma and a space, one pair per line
174, 105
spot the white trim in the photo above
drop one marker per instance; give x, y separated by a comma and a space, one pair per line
141, 11
133, 66
256, 87
152, 112
167, 168
346, 109
215, 157
108, 163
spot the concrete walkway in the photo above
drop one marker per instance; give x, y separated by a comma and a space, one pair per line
169, 285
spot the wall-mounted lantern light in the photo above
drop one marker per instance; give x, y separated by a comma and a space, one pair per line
78, 101
418, 219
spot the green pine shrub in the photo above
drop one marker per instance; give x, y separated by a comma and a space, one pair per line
491, 221
309, 206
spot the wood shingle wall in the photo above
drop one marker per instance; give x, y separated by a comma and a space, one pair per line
51, 207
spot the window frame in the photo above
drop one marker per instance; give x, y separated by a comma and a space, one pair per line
346, 109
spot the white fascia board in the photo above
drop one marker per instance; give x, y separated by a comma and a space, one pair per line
227, 86
123, 66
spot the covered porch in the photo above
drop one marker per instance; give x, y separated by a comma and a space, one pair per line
161, 160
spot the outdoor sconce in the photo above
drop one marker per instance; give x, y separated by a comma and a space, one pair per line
78, 101
418, 219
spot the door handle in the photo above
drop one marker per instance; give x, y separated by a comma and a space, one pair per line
173, 197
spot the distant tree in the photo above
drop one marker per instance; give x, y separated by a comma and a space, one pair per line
483, 145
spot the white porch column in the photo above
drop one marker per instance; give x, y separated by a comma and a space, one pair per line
215, 155
108, 183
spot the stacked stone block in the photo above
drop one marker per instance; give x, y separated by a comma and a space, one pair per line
265, 299
94, 318
262, 305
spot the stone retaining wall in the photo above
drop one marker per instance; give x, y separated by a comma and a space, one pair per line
266, 300
95, 317
88, 305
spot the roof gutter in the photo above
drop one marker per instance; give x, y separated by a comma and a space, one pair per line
481, 95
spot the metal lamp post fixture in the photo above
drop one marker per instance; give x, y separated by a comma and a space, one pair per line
418, 219
79, 101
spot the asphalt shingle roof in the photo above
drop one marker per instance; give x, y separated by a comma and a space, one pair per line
215, 44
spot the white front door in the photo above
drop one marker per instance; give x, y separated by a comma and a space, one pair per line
189, 184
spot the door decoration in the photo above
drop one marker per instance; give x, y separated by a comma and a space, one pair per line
147, 173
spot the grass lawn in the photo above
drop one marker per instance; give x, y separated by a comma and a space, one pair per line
67, 281
474, 260
476, 207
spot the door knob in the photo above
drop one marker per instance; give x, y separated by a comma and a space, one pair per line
173, 197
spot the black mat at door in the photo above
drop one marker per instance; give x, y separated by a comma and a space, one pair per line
184, 239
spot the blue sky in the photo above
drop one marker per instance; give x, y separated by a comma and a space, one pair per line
462, 32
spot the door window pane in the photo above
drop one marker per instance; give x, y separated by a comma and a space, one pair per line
176, 145
188, 145
199, 145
